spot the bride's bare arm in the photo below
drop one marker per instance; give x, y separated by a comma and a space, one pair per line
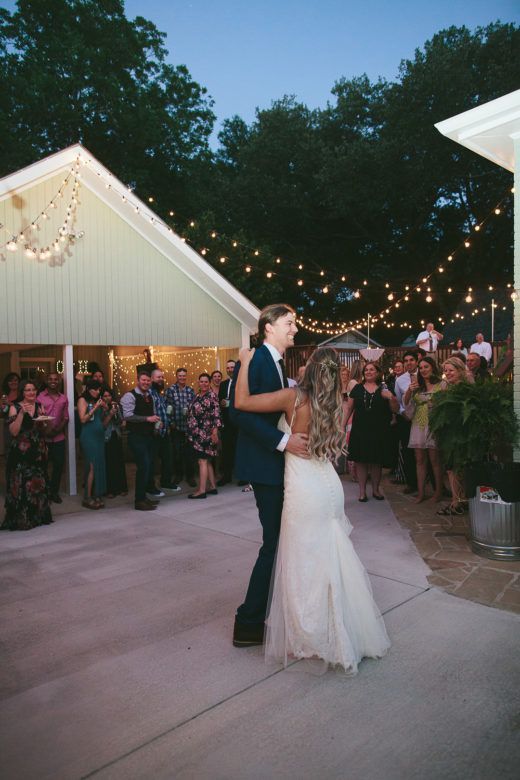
278, 401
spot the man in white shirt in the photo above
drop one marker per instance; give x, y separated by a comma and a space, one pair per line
402, 383
482, 347
429, 339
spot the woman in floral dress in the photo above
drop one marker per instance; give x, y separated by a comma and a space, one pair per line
27, 492
203, 422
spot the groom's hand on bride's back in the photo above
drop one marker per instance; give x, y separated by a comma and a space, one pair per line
298, 445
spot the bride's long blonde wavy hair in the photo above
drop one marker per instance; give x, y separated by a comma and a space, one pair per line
321, 387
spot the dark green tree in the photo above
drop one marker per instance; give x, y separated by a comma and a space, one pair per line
79, 70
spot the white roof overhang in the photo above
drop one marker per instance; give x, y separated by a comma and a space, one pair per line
489, 130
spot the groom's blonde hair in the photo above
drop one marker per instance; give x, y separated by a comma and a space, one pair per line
321, 386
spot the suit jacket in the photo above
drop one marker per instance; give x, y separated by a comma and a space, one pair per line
223, 394
257, 459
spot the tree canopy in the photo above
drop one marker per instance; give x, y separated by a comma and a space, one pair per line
364, 190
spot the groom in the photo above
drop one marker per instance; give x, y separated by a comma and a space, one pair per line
260, 460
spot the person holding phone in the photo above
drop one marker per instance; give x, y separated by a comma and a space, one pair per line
114, 457
91, 411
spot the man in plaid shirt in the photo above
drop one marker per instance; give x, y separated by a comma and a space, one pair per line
162, 444
179, 396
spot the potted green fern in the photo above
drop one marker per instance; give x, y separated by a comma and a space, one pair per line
476, 428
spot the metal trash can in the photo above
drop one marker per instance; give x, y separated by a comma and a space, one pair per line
495, 527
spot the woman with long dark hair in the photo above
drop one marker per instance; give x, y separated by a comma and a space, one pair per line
27, 491
322, 608
91, 410
417, 402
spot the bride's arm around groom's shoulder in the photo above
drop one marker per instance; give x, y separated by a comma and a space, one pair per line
277, 401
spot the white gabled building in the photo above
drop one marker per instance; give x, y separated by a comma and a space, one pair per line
89, 271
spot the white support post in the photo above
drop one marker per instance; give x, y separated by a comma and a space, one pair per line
68, 374
245, 336
516, 286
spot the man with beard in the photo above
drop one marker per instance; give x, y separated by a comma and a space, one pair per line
162, 444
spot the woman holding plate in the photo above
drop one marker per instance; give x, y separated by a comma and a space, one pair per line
27, 492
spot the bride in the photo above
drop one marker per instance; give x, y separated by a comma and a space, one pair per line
322, 607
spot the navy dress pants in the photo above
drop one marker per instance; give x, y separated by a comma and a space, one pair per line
269, 501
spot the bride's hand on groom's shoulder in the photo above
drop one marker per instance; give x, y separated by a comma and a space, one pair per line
298, 445
245, 355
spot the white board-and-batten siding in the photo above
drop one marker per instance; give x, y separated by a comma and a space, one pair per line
113, 287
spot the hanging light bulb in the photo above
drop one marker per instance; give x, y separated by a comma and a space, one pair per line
278, 260
248, 269
30, 253
325, 289
357, 294
497, 211
429, 298
467, 244
222, 259
150, 199
468, 298
477, 228
12, 246
450, 258
213, 234
300, 282
390, 296
269, 274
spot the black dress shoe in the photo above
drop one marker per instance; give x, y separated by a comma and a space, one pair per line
363, 500
248, 635
196, 495
213, 492
378, 497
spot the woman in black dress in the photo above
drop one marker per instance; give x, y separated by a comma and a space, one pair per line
27, 490
370, 438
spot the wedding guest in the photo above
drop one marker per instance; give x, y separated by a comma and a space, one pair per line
116, 483
477, 367
27, 492
369, 445
428, 339
56, 406
162, 441
228, 431
203, 424
482, 348
179, 396
417, 402
91, 411
397, 371
140, 418
402, 383
456, 373
215, 380
344, 375
398, 477
459, 348
98, 376
356, 376
10, 387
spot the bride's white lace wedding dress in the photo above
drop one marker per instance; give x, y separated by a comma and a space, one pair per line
321, 607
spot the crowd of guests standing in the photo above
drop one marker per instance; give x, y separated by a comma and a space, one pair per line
183, 430
180, 429
387, 422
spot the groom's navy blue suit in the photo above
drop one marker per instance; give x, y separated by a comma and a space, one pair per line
259, 462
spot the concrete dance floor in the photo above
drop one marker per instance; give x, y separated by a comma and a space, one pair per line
117, 660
